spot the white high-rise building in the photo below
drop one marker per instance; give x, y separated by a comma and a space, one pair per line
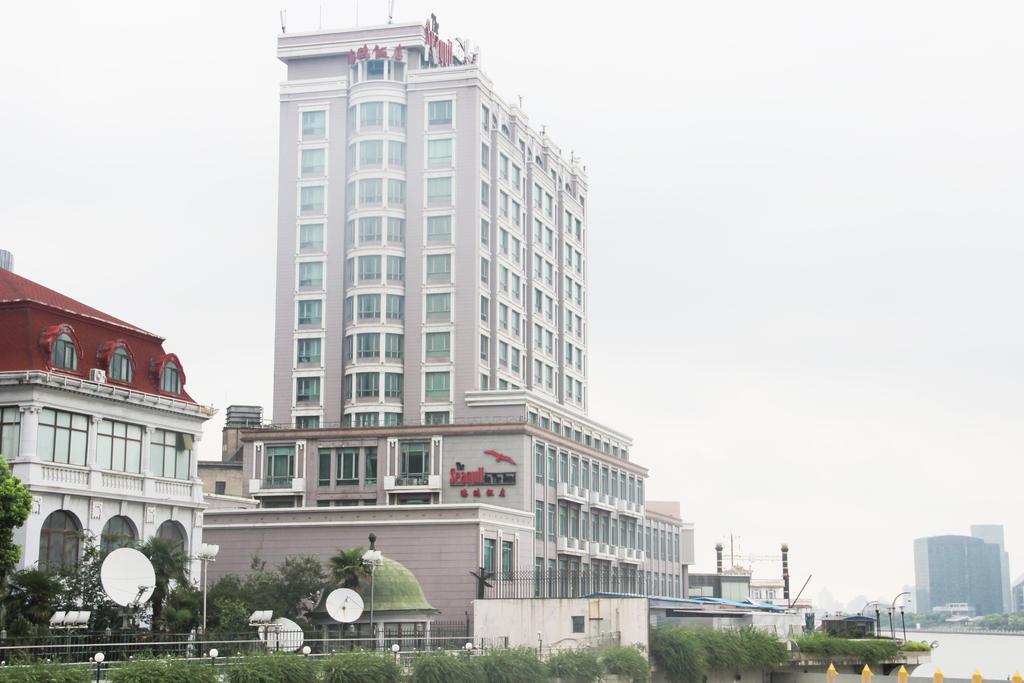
431, 244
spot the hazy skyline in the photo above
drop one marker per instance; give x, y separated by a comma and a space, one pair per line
805, 235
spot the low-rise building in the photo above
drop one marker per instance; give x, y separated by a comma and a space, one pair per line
96, 421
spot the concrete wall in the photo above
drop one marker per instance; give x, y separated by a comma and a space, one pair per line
523, 620
441, 545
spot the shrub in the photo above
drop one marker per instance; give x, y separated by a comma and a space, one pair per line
868, 651
276, 668
574, 666
913, 646
626, 662
443, 668
162, 671
46, 673
688, 654
360, 667
519, 665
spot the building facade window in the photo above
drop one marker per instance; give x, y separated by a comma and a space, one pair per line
308, 350
170, 454
348, 467
438, 345
370, 458
309, 312
118, 446
120, 368
437, 385
65, 355
439, 306
314, 124
59, 540
439, 112
307, 390
280, 463
173, 534
62, 437
118, 532
10, 431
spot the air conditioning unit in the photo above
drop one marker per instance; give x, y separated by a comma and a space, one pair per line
97, 375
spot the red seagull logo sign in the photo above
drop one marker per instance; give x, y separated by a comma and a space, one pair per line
500, 457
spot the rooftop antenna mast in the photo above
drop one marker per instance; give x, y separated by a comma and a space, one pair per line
391, 10
284, 17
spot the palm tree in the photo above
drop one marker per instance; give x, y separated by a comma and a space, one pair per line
347, 567
170, 563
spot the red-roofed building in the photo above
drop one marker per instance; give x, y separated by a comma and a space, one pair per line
96, 420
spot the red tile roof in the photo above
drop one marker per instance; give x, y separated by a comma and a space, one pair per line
16, 288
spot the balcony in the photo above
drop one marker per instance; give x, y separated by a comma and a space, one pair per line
91, 482
412, 482
273, 486
572, 546
570, 492
630, 555
626, 507
602, 500
603, 551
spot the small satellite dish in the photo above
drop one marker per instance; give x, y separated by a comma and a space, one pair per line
281, 634
344, 605
127, 577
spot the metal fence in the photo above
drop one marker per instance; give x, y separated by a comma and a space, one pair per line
569, 583
81, 647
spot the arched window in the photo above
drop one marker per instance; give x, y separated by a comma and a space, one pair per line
59, 540
170, 380
118, 532
120, 368
172, 532
65, 356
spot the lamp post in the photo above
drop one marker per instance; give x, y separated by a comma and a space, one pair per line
207, 553
892, 611
372, 558
98, 658
878, 616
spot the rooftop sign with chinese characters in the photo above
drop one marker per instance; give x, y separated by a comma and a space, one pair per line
377, 52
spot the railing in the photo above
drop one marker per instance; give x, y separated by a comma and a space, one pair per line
66, 475
122, 482
173, 488
280, 482
412, 480
507, 419
571, 583
78, 650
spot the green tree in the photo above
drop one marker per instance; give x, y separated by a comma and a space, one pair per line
170, 563
15, 504
302, 580
82, 588
33, 594
347, 567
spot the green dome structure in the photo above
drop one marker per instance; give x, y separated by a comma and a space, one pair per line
395, 589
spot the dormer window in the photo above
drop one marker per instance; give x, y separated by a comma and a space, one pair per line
65, 356
170, 378
121, 369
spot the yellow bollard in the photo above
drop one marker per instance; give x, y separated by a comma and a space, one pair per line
866, 675
831, 673
938, 677
902, 675
977, 678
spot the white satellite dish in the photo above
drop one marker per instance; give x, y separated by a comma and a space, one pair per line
281, 634
128, 577
344, 605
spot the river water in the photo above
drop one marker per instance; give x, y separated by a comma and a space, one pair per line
960, 654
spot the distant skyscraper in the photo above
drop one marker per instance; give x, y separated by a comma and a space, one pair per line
6, 260
993, 533
958, 569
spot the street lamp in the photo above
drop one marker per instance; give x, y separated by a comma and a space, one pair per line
213, 657
892, 627
98, 658
372, 558
878, 616
207, 553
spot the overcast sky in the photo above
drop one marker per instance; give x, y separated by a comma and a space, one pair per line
805, 234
